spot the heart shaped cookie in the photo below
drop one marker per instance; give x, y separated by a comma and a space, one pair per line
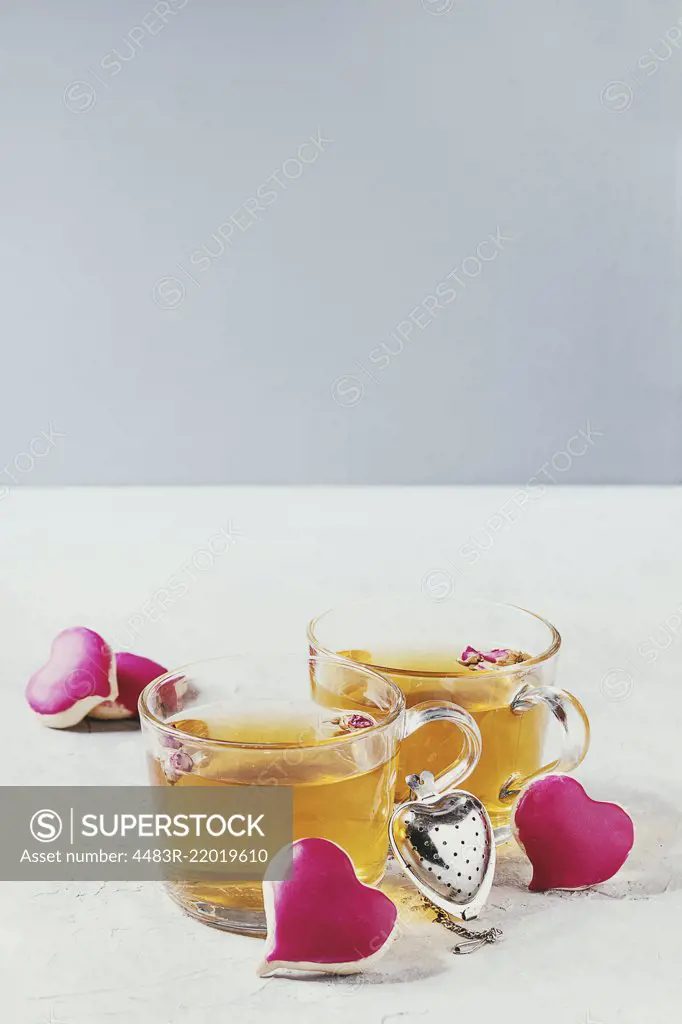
79, 675
321, 917
571, 840
133, 673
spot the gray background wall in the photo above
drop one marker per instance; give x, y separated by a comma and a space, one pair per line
556, 123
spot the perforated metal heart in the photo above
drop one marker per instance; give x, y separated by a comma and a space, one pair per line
446, 845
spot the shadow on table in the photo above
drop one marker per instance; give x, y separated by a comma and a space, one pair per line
95, 725
654, 866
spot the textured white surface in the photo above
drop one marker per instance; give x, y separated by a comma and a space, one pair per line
603, 564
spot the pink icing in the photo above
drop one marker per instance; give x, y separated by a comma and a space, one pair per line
571, 840
79, 672
133, 673
322, 917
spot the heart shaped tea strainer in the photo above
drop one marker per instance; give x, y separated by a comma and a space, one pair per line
445, 844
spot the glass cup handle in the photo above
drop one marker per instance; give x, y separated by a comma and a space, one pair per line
575, 725
443, 710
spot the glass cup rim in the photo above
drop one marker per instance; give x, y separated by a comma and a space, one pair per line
517, 669
148, 716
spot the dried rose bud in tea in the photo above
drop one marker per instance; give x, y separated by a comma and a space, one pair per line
170, 741
178, 763
513, 658
351, 721
357, 720
499, 657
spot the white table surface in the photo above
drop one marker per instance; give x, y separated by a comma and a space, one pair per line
603, 563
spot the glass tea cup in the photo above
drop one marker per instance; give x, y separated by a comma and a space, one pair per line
417, 643
326, 727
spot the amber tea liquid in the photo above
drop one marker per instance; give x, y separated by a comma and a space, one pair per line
511, 743
341, 791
